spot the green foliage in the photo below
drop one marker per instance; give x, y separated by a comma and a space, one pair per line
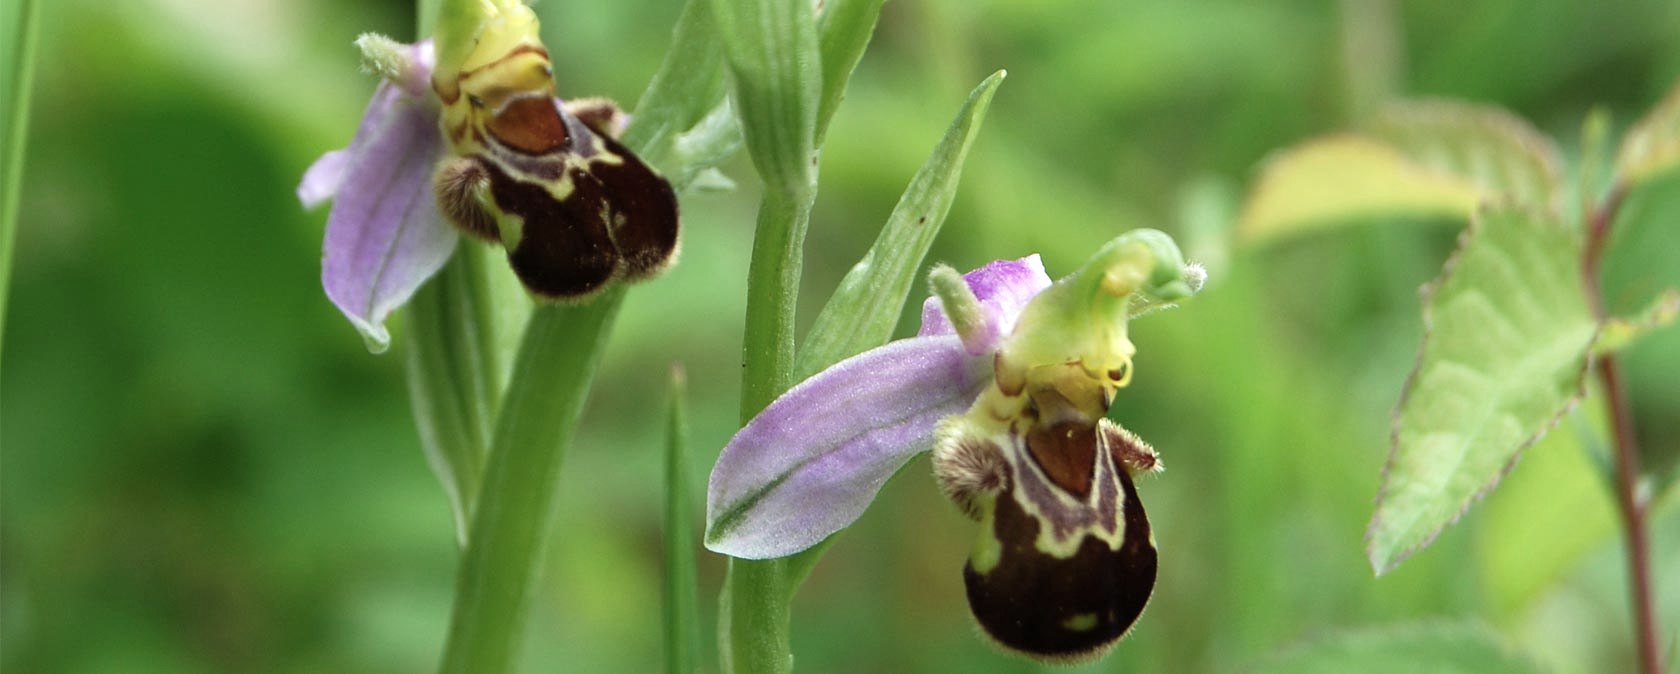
1499, 153
515, 509
863, 310
1438, 649
1507, 330
1420, 159
1653, 145
688, 85
203, 474
455, 375
681, 604
1332, 181
1508, 327
773, 54
843, 29
1546, 517
17, 72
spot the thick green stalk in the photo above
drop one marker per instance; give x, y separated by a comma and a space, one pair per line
767, 348
515, 509
21, 63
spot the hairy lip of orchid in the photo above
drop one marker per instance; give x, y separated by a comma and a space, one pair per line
385, 235
1008, 382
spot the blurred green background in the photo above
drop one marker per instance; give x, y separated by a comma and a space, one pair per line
204, 471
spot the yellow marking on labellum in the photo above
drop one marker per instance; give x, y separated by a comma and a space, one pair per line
988, 550
1082, 622
1065, 545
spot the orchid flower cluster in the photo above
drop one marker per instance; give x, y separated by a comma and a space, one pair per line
1008, 382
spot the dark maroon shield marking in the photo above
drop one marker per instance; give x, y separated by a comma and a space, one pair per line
1067, 609
643, 212
619, 221
564, 250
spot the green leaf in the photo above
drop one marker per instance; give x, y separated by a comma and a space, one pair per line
772, 52
1499, 153
844, 29
457, 362
1652, 146
1437, 649
1545, 518
1411, 159
21, 32
515, 510
1623, 331
694, 153
863, 310
1507, 331
689, 85
682, 606
1338, 179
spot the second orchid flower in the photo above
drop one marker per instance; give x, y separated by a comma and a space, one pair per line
1008, 383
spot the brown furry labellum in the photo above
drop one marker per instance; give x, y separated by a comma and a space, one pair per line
1066, 562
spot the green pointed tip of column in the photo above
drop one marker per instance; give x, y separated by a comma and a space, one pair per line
961, 306
386, 57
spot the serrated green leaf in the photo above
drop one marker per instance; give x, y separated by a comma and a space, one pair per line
1507, 331
1498, 152
863, 310
1547, 517
1653, 144
1434, 158
1620, 332
1337, 179
1417, 649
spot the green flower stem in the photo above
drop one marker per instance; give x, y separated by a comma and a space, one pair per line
772, 295
454, 375
755, 611
682, 605
515, 509
753, 628
20, 65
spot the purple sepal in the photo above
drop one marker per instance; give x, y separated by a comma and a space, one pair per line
809, 465
385, 235
1003, 287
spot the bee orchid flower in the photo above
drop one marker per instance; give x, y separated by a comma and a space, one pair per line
472, 140
1008, 383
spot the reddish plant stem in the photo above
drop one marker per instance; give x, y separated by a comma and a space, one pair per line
1634, 505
